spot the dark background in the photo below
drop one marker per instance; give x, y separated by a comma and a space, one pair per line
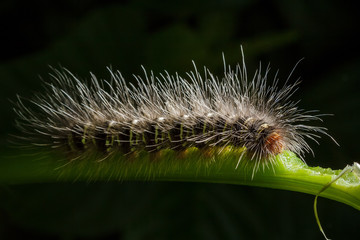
90, 35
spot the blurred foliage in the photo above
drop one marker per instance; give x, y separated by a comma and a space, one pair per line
90, 35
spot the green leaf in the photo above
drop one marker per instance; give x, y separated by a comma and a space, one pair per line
194, 165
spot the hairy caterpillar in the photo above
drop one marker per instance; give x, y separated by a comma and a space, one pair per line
169, 112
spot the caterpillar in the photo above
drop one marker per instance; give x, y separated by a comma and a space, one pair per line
168, 111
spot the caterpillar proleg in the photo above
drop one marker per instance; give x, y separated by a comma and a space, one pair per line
199, 110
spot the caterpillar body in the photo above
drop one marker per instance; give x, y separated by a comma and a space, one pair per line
169, 112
